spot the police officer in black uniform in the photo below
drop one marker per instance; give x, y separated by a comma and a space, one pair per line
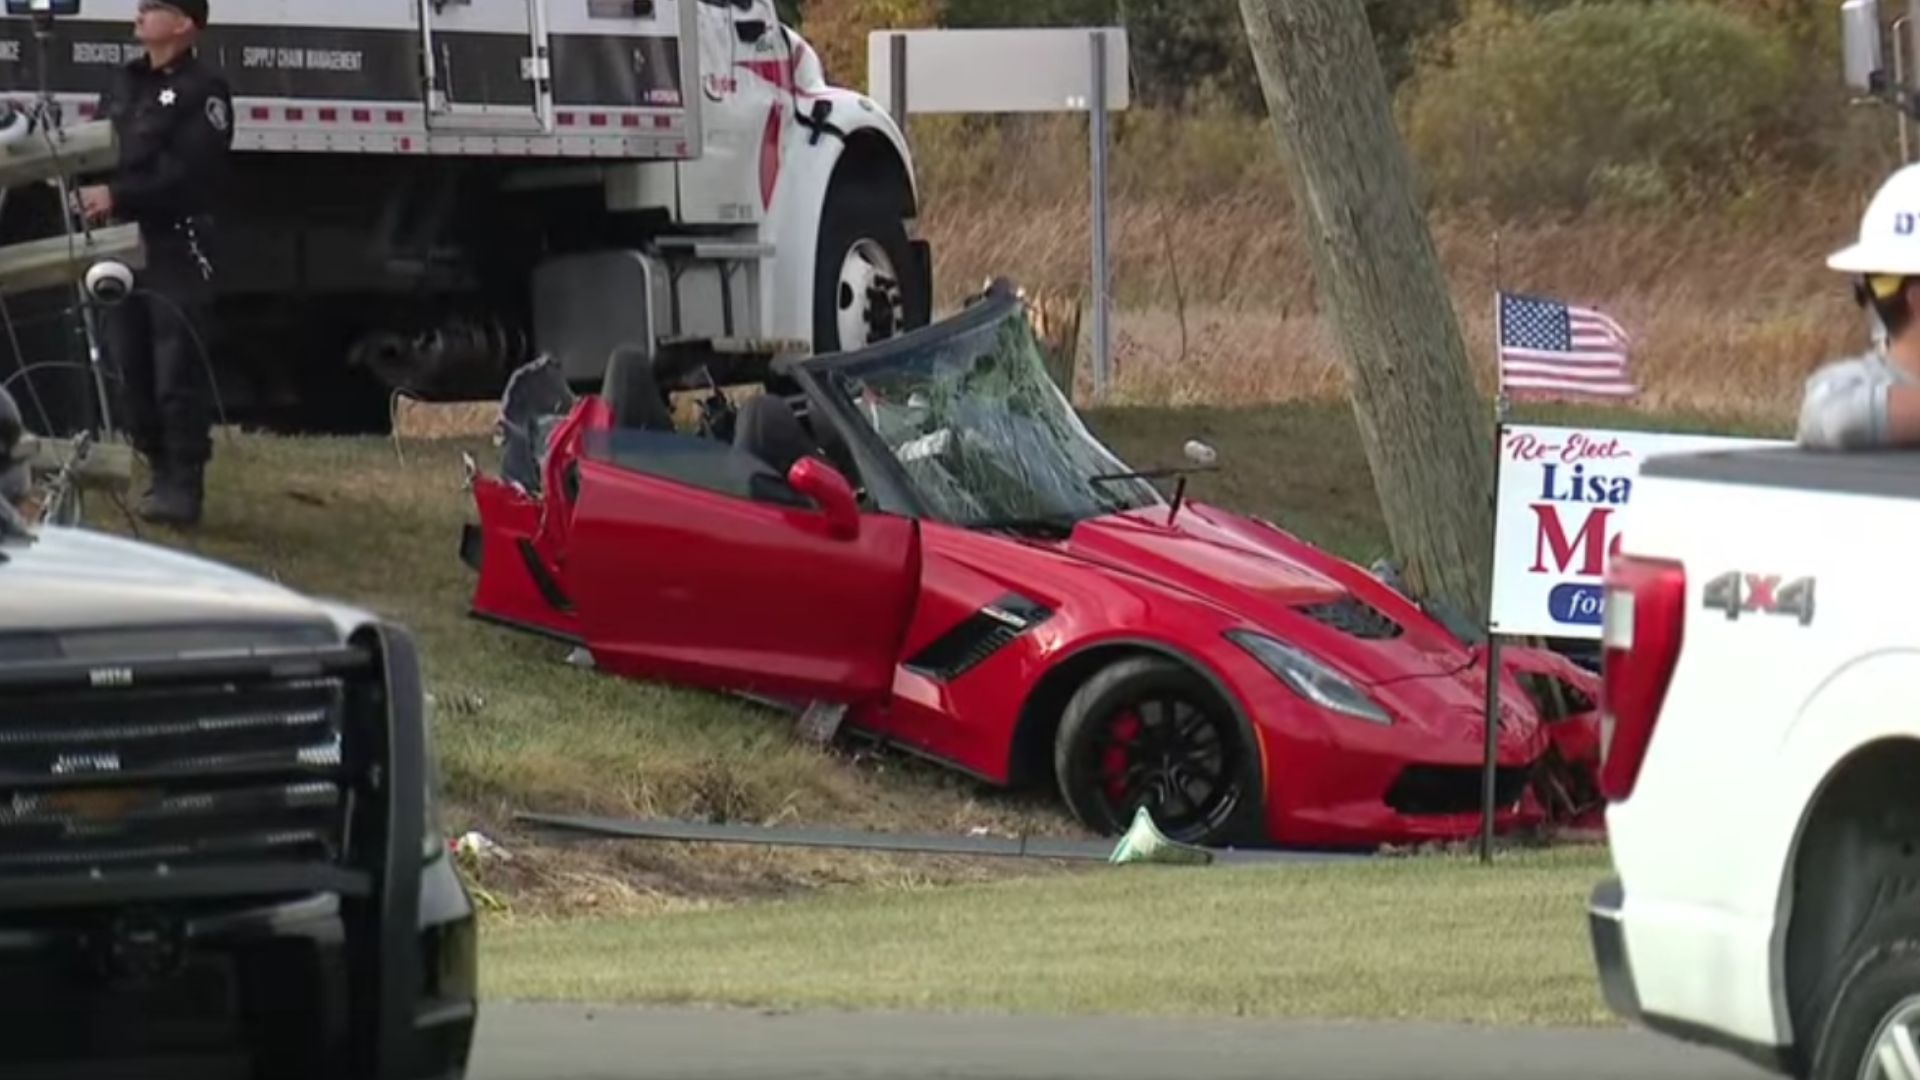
174, 118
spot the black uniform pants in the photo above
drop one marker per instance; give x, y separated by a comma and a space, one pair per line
164, 379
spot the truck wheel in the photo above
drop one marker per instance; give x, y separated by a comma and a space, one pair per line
866, 285
1873, 1030
1150, 732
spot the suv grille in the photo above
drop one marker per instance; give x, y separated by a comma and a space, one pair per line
1354, 617
218, 769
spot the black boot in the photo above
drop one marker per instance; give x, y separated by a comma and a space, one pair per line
177, 498
158, 469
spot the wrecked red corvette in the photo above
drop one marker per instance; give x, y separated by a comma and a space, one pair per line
925, 533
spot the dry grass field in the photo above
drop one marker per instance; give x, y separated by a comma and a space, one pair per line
1216, 300
1730, 304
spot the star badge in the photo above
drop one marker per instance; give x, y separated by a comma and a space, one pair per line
167, 96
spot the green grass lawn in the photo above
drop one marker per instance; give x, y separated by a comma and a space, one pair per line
1431, 937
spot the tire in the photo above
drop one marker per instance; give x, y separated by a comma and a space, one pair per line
865, 218
1112, 717
1879, 990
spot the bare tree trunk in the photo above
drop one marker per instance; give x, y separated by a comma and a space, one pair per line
1428, 440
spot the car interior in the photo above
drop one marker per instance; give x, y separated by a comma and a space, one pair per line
766, 417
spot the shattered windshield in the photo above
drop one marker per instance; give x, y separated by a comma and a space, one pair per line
984, 435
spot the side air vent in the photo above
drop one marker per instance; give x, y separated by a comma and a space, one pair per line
977, 637
1353, 617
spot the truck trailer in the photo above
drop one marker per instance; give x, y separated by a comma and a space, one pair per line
427, 194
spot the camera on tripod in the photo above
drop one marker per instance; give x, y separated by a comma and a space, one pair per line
43, 9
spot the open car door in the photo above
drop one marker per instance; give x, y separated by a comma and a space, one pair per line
694, 560
519, 546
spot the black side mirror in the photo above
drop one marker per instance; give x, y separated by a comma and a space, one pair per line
770, 487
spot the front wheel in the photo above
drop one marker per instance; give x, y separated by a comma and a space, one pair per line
1873, 1029
868, 285
1151, 732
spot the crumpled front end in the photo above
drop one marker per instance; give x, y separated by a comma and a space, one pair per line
1339, 781
1567, 698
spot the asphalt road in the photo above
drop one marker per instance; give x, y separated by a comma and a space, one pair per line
525, 1042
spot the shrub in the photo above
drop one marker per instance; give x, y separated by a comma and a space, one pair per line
838, 29
1593, 100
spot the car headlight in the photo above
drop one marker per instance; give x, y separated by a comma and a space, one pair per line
1310, 678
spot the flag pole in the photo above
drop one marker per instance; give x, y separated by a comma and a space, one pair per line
1490, 767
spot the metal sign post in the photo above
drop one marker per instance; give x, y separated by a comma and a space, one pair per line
1019, 71
897, 71
1102, 281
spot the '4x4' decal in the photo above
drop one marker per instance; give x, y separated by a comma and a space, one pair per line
1739, 593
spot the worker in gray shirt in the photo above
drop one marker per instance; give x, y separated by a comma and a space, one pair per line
1872, 401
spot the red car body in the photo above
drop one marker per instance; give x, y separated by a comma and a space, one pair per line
966, 644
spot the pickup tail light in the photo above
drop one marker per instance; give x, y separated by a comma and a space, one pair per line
1644, 618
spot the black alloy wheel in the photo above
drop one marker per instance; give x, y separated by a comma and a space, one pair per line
1150, 732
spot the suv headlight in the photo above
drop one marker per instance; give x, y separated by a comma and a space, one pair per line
1310, 678
433, 837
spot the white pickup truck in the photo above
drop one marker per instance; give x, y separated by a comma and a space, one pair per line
1762, 760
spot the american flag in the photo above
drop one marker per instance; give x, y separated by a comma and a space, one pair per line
1550, 349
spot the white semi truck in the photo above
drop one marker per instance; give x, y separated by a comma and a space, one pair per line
428, 193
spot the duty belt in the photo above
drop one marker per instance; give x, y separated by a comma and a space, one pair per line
189, 227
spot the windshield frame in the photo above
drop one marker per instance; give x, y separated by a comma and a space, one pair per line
890, 486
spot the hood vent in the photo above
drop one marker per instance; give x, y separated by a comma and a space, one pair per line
1353, 617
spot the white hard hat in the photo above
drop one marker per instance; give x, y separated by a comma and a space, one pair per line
1889, 231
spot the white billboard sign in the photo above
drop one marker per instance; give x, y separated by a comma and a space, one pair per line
1565, 498
999, 71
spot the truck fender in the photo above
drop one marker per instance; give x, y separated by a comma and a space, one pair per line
838, 137
1864, 702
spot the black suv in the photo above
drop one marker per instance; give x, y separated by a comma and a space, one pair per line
219, 849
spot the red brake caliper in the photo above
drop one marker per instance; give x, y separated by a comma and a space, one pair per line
1113, 764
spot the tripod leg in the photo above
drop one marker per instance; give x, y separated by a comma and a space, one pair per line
92, 327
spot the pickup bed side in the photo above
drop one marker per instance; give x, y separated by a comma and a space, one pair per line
1777, 809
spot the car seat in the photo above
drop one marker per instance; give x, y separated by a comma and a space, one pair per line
769, 430
632, 394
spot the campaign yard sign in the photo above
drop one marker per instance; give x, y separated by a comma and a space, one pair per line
1565, 498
